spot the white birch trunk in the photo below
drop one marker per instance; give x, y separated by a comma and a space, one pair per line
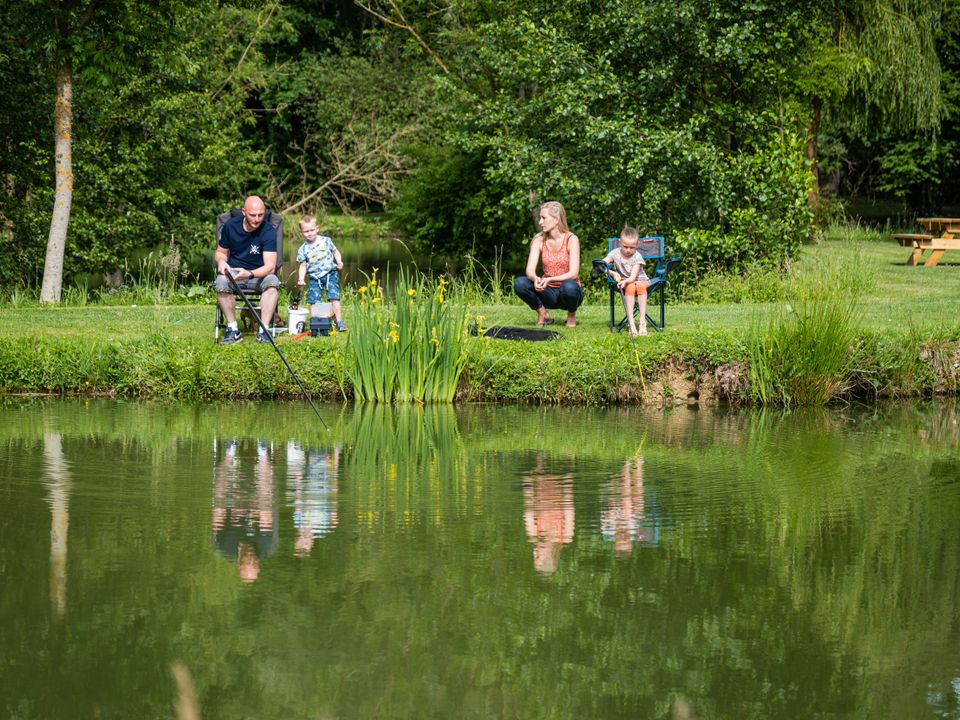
57, 239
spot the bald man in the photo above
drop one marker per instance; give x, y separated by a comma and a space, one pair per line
247, 250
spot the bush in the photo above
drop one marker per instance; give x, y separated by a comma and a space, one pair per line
803, 355
450, 209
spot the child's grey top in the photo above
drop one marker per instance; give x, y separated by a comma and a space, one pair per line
624, 266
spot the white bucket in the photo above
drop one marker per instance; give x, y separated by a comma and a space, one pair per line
297, 321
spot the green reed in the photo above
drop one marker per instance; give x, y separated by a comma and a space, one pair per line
802, 354
413, 349
479, 283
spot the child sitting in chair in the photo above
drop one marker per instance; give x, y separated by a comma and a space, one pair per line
319, 257
628, 273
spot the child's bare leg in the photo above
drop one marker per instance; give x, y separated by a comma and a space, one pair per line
630, 302
336, 310
642, 307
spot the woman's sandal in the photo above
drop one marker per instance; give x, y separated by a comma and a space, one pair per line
546, 321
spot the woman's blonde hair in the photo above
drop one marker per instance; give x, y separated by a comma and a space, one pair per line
557, 211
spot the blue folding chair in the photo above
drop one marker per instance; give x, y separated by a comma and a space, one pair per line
652, 249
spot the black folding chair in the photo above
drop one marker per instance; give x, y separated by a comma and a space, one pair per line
249, 286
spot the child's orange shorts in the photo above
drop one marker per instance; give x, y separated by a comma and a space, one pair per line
635, 288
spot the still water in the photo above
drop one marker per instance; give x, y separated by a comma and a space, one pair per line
479, 562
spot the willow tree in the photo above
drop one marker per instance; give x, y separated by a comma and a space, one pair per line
873, 66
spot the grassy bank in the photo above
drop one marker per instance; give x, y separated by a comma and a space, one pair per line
902, 341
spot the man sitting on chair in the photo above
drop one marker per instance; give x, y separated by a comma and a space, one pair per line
248, 250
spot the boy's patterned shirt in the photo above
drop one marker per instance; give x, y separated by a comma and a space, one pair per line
318, 256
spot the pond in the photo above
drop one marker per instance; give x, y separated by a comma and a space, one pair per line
478, 562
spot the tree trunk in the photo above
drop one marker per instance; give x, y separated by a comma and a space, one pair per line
63, 133
813, 195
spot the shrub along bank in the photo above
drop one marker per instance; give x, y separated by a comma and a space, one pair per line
705, 366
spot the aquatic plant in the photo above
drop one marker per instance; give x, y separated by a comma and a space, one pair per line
802, 354
413, 349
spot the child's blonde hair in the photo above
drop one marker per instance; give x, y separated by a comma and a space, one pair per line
307, 219
629, 233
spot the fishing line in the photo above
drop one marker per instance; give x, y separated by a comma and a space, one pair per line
633, 338
237, 289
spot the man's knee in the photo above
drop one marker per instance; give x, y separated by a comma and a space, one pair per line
269, 282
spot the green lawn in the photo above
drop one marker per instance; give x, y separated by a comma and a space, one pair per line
918, 297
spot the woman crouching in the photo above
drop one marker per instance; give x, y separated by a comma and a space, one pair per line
558, 250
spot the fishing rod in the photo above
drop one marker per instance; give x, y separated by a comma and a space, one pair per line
246, 301
603, 268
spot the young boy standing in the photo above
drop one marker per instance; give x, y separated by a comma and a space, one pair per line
319, 258
630, 277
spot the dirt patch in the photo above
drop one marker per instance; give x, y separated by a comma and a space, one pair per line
672, 385
944, 361
731, 381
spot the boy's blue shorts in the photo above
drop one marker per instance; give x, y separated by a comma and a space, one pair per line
329, 282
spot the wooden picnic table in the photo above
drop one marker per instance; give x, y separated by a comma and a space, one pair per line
940, 235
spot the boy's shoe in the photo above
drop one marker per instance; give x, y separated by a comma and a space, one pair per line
262, 337
341, 326
231, 337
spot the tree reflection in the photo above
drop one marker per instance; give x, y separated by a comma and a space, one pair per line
807, 568
548, 514
58, 486
245, 526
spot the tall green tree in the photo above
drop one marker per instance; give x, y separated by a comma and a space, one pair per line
340, 101
907, 169
669, 115
147, 128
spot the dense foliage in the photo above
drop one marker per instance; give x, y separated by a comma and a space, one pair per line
700, 119
157, 143
690, 118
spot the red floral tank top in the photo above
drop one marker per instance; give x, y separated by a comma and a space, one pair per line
556, 262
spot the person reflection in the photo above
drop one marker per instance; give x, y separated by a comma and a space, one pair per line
244, 509
623, 521
312, 493
58, 485
548, 514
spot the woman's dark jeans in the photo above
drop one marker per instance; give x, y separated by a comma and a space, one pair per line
568, 296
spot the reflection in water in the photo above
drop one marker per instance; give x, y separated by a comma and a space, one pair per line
548, 514
808, 569
946, 700
58, 484
245, 525
312, 493
405, 458
626, 519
